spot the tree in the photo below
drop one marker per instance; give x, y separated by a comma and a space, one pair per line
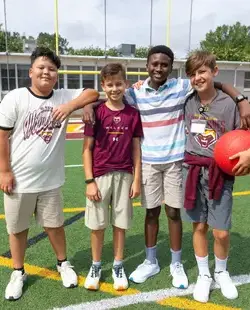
230, 43
49, 40
141, 52
15, 41
93, 51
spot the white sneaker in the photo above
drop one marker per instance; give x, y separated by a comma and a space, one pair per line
180, 279
93, 278
14, 289
144, 271
228, 289
120, 278
68, 275
202, 288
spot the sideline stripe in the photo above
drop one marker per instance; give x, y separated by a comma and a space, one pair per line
184, 303
34, 240
153, 296
131, 296
53, 275
73, 210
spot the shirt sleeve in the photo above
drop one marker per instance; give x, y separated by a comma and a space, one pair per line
236, 118
89, 130
8, 111
187, 87
138, 131
70, 94
130, 96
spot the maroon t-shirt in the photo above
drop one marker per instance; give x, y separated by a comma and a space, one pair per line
113, 132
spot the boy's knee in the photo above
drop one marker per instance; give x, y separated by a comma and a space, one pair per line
173, 213
221, 235
200, 228
152, 215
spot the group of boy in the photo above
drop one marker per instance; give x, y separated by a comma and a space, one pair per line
149, 141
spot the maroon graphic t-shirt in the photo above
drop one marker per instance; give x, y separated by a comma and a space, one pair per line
114, 132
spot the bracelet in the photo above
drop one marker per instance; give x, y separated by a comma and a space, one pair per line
88, 181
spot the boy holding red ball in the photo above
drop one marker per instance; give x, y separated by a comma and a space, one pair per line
209, 113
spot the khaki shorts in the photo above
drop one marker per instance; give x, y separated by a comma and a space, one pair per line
115, 207
162, 183
47, 207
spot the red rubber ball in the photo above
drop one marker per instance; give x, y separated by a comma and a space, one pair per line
231, 143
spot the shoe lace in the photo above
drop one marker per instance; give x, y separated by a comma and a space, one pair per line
118, 271
94, 271
67, 268
178, 268
14, 277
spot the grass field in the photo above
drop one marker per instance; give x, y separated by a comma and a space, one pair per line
45, 291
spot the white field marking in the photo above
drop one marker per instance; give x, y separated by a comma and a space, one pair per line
118, 302
73, 166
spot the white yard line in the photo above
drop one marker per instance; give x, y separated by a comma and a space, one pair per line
118, 302
72, 166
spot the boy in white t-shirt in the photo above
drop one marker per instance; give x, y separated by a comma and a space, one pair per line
32, 134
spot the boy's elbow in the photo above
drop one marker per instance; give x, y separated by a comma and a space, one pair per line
92, 94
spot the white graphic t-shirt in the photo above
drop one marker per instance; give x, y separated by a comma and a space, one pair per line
36, 142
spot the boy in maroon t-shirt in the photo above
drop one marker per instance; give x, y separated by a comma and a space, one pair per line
112, 164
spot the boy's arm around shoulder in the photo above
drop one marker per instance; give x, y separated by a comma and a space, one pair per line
86, 97
244, 106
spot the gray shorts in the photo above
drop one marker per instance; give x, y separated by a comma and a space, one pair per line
216, 213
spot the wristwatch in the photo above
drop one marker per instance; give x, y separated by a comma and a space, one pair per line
88, 181
240, 98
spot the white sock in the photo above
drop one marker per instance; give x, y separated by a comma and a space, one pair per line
117, 262
98, 264
176, 256
203, 267
151, 254
220, 264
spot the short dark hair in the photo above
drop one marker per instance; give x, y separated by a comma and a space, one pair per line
198, 59
163, 49
112, 69
45, 52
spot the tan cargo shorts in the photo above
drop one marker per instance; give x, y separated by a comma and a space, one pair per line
116, 205
162, 183
47, 207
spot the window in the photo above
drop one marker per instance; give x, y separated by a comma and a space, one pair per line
132, 78
247, 80
174, 74
23, 75
88, 80
12, 79
99, 79
60, 81
73, 79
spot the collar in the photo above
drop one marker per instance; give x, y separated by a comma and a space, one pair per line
167, 84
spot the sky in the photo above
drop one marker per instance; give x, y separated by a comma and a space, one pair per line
128, 21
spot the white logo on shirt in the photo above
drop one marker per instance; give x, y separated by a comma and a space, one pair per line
116, 119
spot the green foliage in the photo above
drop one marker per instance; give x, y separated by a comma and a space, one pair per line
15, 41
141, 52
49, 40
230, 43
